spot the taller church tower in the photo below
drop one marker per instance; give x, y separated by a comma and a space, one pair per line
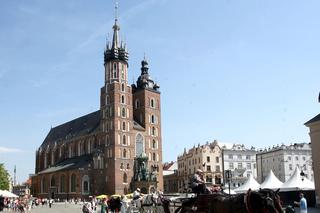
130, 119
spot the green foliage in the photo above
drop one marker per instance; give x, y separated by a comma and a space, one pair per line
4, 178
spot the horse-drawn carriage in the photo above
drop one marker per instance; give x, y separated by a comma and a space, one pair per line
262, 201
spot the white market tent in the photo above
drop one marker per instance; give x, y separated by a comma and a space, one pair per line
251, 183
271, 182
295, 182
5, 193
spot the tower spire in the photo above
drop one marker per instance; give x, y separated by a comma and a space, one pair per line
116, 28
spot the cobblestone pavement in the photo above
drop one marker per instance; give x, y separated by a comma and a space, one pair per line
76, 208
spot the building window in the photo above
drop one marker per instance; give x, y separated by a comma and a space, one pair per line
128, 166
107, 140
239, 157
239, 165
208, 168
124, 153
125, 178
231, 166
137, 104
290, 166
107, 99
208, 159
123, 112
114, 70
248, 165
230, 156
154, 156
154, 144
217, 159
122, 71
153, 131
124, 126
297, 158
43, 185
217, 168
122, 99
85, 184
303, 158
152, 104
152, 119
124, 142
53, 181
73, 183
122, 87
289, 157
209, 179
62, 183
121, 166
248, 157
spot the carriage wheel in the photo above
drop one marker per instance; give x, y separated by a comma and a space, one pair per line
187, 210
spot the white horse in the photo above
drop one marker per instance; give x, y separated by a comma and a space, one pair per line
148, 203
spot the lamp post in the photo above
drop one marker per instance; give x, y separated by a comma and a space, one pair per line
228, 178
302, 175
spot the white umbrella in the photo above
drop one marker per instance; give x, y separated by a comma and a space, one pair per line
6, 193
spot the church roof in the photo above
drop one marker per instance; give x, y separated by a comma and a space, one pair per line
78, 127
315, 119
70, 163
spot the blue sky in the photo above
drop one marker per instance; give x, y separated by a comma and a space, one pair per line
236, 71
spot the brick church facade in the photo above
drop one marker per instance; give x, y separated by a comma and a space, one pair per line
94, 154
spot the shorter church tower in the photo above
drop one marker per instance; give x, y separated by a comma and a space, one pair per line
147, 112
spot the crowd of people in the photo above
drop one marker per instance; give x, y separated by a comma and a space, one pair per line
22, 204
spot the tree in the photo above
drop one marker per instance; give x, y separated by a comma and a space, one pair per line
4, 178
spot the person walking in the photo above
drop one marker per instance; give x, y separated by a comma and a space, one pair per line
302, 204
104, 206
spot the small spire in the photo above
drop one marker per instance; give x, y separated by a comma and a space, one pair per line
116, 12
116, 28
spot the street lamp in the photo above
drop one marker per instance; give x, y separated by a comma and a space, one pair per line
302, 175
228, 178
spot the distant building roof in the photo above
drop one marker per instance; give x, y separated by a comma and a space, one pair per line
170, 168
315, 119
70, 163
80, 126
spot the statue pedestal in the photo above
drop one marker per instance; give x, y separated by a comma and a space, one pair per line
146, 187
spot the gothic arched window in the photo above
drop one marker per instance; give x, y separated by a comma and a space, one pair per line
125, 178
137, 104
53, 181
62, 183
123, 112
154, 144
139, 145
122, 99
73, 183
85, 184
43, 185
152, 103
124, 126
114, 70
124, 141
124, 153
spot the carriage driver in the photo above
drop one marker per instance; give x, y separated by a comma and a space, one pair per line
198, 184
137, 194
